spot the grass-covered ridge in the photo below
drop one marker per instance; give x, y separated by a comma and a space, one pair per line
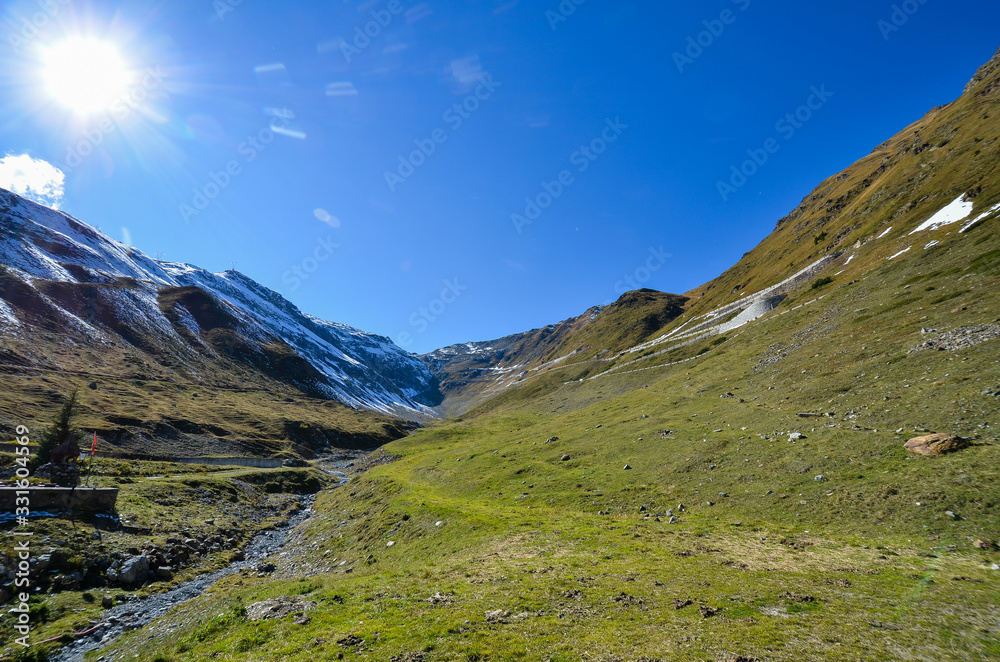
864, 563
626, 508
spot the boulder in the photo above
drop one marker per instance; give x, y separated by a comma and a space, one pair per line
134, 571
279, 608
935, 444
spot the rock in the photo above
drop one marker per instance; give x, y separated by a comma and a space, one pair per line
350, 641
672, 520
820, 478
164, 573
680, 604
279, 608
564, 458
707, 612
390, 543
935, 444
551, 439
265, 568
795, 436
961, 338
107, 602
92, 386
951, 514
134, 571
438, 599
497, 616
982, 544
627, 467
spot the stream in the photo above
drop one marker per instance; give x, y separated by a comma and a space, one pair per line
138, 613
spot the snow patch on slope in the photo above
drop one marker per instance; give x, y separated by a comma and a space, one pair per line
363, 370
989, 212
7, 316
958, 210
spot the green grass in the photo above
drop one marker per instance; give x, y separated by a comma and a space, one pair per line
838, 546
158, 501
523, 531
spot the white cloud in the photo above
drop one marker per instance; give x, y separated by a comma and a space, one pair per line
32, 178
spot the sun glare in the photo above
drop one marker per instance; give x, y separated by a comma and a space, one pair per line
86, 75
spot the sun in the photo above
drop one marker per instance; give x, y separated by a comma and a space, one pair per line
86, 75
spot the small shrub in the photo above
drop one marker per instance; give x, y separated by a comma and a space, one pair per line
822, 282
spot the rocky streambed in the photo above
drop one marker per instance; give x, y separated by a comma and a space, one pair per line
137, 613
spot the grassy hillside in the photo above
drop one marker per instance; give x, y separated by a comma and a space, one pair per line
226, 398
472, 373
837, 546
951, 151
659, 506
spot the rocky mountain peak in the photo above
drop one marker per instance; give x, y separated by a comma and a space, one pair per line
989, 72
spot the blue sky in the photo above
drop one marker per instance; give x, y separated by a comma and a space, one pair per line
286, 122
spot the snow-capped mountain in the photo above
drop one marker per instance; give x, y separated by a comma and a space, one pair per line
101, 288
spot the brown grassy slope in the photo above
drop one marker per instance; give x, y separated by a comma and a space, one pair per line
467, 378
953, 149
